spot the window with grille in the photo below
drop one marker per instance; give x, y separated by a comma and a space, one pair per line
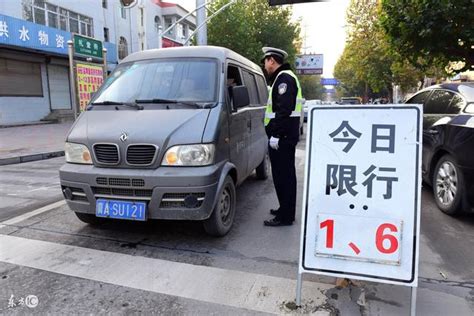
44, 13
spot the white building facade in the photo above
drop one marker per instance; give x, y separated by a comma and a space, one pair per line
34, 68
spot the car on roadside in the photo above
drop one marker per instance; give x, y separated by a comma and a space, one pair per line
350, 100
448, 144
169, 135
307, 105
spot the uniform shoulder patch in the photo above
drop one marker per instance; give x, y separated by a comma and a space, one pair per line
282, 88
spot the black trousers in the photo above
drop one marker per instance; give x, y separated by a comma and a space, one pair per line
284, 179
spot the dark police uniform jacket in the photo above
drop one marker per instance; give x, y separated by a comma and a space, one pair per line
283, 126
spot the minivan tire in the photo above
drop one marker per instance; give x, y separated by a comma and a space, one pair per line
90, 218
263, 169
222, 217
444, 183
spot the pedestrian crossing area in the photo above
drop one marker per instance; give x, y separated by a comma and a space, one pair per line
255, 292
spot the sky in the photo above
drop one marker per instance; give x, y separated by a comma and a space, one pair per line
324, 23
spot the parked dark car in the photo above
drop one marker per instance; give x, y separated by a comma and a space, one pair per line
448, 144
350, 100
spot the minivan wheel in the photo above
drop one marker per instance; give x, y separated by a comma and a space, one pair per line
263, 169
222, 216
448, 186
90, 218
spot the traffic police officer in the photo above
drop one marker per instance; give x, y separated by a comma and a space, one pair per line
282, 120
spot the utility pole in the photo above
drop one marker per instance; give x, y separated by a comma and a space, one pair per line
200, 19
305, 39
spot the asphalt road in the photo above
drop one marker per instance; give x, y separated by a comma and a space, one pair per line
53, 241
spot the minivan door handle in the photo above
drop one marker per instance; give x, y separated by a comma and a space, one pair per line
433, 132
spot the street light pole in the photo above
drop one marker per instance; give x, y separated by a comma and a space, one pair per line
201, 20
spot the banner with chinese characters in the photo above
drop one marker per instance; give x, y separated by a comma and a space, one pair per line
361, 207
89, 78
88, 47
22, 33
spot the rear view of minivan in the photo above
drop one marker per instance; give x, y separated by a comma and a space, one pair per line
169, 135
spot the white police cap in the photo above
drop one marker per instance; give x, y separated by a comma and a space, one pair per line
272, 51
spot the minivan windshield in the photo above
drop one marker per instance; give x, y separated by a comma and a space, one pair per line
187, 81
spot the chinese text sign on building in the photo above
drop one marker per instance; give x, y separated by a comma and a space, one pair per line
362, 193
22, 33
88, 47
89, 78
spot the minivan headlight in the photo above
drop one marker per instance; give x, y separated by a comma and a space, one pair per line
77, 153
189, 155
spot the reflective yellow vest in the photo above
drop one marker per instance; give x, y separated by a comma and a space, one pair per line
269, 114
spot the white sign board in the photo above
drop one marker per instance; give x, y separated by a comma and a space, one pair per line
361, 208
309, 64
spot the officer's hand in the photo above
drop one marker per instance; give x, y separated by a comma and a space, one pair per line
273, 142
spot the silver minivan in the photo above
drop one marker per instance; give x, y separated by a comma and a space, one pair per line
169, 135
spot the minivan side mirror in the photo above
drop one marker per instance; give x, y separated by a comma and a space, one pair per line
240, 96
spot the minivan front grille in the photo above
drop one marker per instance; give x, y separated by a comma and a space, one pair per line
141, 154
144, 194
138, 182
120, 182
107, 153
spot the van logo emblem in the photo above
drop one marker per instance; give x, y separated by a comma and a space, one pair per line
124, 137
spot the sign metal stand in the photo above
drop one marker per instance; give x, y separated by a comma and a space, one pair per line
72, 85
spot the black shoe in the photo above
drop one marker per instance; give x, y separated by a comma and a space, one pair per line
274, 212
276, 222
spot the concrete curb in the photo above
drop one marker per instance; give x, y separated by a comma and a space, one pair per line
28, 158
28, 124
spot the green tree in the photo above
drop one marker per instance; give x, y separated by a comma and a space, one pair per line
345, 72
247, 26
311, 86
431, 32
366, 63
369, 65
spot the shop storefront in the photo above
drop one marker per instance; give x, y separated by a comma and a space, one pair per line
34, 74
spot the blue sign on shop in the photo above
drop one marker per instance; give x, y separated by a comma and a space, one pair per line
30, 35
17, 32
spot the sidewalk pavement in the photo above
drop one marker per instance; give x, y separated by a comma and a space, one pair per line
32, 142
